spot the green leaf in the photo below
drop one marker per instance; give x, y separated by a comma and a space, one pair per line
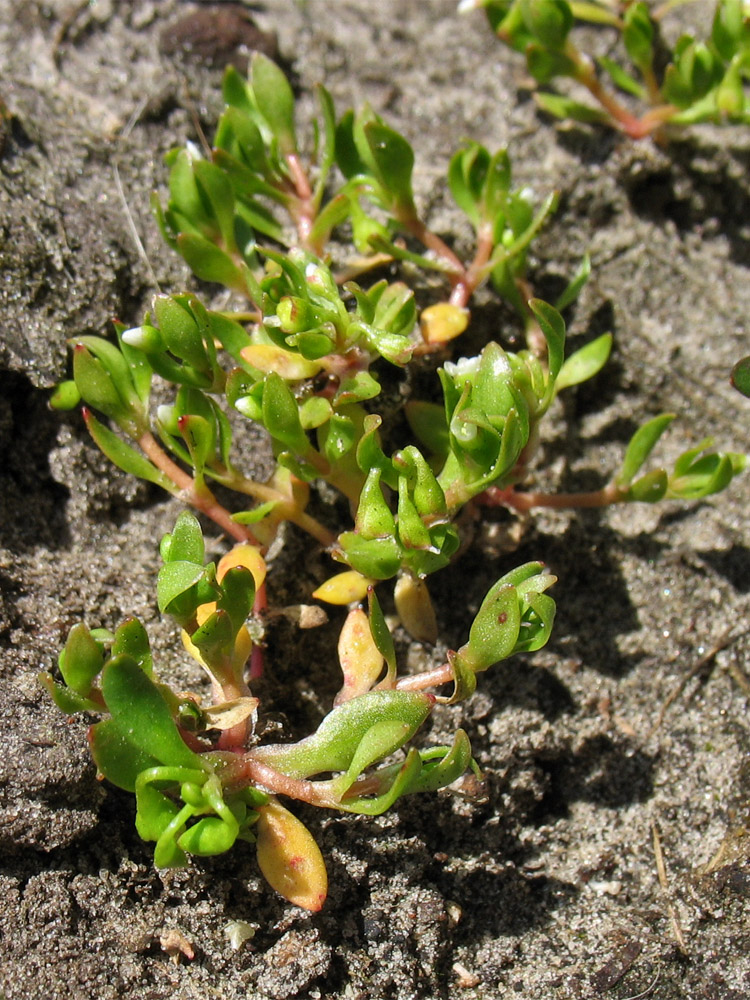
382, 637
337, 437
405, 777
142, 714
452, 763
395, 310
214, 638
640, 447
393, 160
348, 160
378, 558
256, 514
209, 836
371, 456
622, 79
155, 811
333, 746
638, 35
553, 328
495, 630
106, 387
185, 543
705, 475
328, 156
281, 416
131, 639
536, 625
66, 700
176, 579
374, 518
565, 107
496, 188
467, 173
412, 532
741, 377
275, 100
544, 64
81, 660
216, 189
208, 262
649, 488
381, 739
124, 456
237, 595
360, 386
728, 27
314, 412
584, 363
183, 323
116, 757
66, 396
464, 678
549, 21
573, 289
427, 494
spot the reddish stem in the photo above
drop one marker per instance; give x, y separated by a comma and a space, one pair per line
473, 275
428, 678
248, 770
494, 496
204, 501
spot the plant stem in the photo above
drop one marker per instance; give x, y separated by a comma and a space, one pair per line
494, 496
303, 212
286, 509
204, 501
626, 121
472, 276
248, 770
429, 678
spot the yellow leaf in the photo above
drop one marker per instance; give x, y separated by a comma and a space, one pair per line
443, 322
289, 858
246, 555
360, 659
269, 358
343, 588
414, 608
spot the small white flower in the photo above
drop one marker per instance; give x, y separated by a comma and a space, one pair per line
193, 150
462, 370
134, 337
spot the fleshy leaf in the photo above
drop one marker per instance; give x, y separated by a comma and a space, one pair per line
142, 714
123, 455
275, 100
414, 608
289, 858
640, 447
584, 363
343, 588
360, 659
741, 377
81, 660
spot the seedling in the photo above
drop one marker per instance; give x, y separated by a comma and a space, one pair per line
299, 351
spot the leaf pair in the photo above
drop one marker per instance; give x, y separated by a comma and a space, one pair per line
696, 473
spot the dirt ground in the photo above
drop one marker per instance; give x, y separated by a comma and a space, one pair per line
547, 885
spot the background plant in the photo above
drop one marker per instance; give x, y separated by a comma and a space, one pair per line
697, 80
299, 352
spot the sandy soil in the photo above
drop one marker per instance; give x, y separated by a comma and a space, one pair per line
548, 884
